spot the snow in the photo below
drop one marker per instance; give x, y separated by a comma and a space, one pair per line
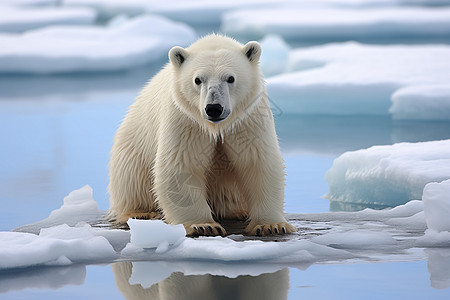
352, 78
421, 102
14, 19
155, 233
331, 23
62, 49
388, 175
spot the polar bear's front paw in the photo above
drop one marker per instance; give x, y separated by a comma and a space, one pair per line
270, 229
208, 229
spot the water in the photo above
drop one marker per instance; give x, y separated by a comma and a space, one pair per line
56, 136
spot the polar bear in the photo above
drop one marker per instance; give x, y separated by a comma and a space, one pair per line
199, 145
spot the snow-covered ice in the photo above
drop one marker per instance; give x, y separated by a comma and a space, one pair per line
78, 206
15, 19
326, 23
323, 237
352, 78
59, 245
388, 175
120, 46
421, 102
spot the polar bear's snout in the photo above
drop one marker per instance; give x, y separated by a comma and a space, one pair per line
214, 111
217, 103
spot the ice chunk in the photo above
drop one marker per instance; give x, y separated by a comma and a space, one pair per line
78, 206
60, 245
330, 23
388, 175
422, 102
352, 78
436, 197
275, 55
59, 49
155, 233
14, 19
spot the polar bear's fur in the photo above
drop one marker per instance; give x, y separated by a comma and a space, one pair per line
199, 144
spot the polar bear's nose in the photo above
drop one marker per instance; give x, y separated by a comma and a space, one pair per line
214, 110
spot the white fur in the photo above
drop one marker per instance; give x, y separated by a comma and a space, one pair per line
167, 156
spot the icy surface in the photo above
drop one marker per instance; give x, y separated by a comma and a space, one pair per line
155, 233
422, 102
388, 175
436, 197
14, 19
59, 245
325, 237
120, 46
78, 206
301, 23
352, 78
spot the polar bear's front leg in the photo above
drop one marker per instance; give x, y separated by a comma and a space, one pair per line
181, 194
263, 184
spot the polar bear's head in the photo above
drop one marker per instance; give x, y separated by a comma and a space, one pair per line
216, 78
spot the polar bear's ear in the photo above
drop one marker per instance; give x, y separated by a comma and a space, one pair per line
252, 50
177, 56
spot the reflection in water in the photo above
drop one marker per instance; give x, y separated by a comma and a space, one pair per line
42, 278
148, 280
439, 267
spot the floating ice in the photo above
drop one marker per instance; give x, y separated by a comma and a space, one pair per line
79, 206
351, 78
60, 245
275, 55
388, 175
427, 102
14, 19
59, 49
335, 236
155, 233
329, 23
436, 197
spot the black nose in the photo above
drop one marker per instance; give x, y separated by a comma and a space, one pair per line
214, 110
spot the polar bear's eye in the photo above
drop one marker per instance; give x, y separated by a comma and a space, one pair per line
230, 79
197, 81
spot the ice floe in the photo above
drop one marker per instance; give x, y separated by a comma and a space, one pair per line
53, 247
421, 102
322, 237
352, 78
59, 49
15, 19
330, 23
388, 175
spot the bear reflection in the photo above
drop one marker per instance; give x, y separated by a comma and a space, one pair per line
178, 286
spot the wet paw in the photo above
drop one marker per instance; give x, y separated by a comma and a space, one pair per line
206, 229
270, 229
